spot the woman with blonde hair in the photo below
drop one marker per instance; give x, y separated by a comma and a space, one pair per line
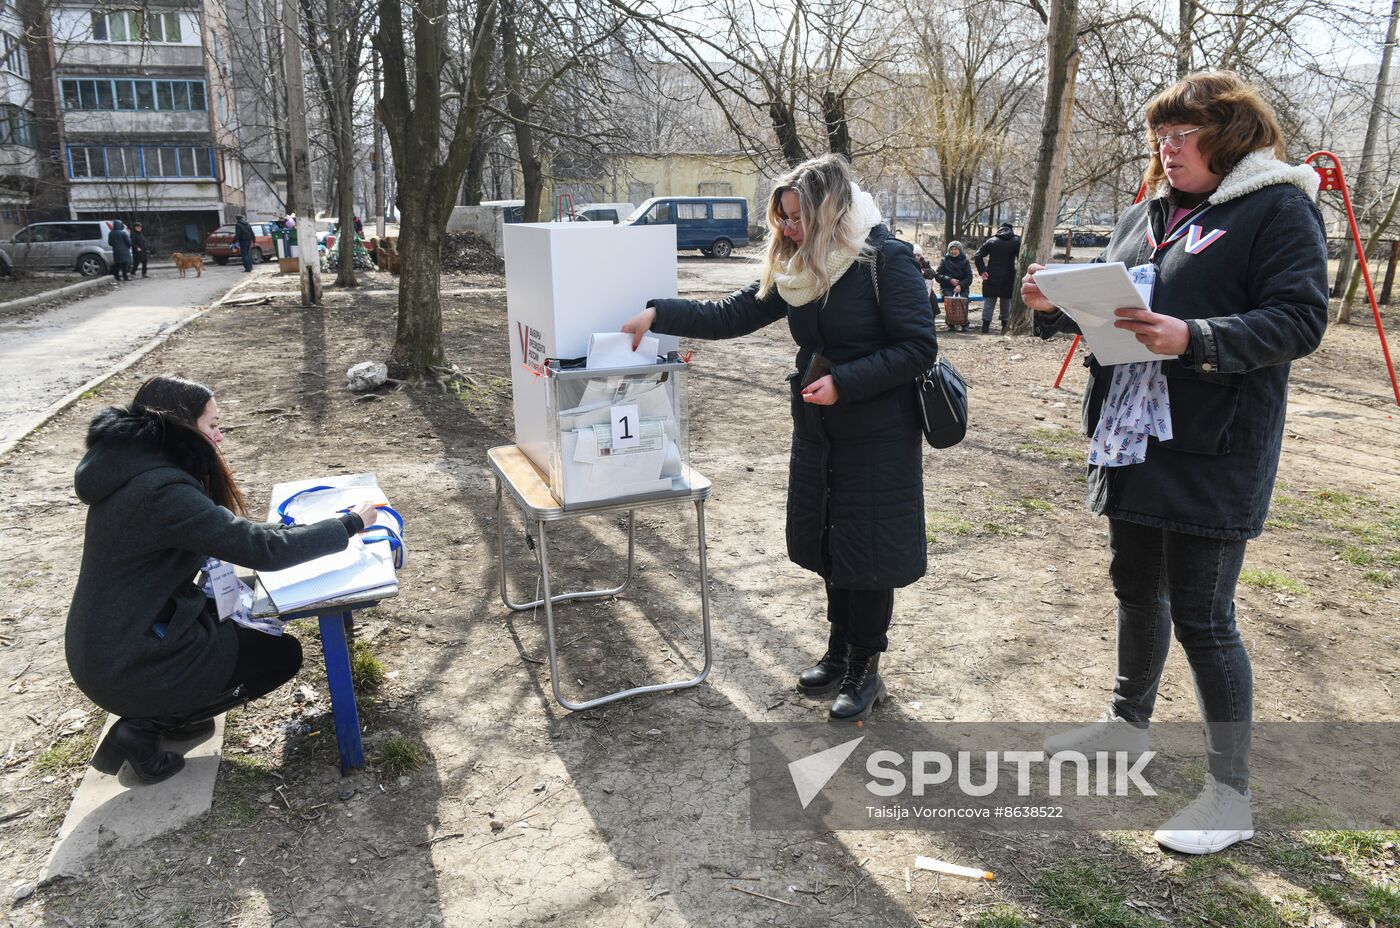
858, 309
1230, 255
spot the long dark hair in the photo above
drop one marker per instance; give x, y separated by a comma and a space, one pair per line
179, 403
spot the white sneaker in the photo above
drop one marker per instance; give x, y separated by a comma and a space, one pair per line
1216, 819
1109, 734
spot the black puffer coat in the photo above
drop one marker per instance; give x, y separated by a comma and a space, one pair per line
954, 268
150, 526
855, 508
997, 259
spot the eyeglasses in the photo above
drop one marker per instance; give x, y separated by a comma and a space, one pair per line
789, 224
1172, 140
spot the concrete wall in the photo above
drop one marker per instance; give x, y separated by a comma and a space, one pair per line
155, 195
144, 123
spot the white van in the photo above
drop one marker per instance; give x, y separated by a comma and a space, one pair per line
603, 212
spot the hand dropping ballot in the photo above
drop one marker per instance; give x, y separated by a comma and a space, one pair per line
1090, 293
620, 420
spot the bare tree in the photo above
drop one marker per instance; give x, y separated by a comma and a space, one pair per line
431, 109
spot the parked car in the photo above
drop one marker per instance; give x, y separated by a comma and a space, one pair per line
604, 212
221, 245
513, 210
79, 245
712, 224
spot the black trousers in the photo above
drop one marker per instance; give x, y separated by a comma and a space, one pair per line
265, 662
865, 615
138, 259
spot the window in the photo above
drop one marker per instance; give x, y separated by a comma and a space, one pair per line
690, 211
128, 95
661, 212
716, 188
638, 192
727, 210
16, 126
86, 161
12, 56
97, 161
137, 26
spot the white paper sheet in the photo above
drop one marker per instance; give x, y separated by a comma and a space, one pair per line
1090, 293
356, 569
614, 349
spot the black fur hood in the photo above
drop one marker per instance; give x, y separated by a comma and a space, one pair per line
122, 444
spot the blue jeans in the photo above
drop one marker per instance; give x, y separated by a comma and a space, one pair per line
1173, 582
247, 252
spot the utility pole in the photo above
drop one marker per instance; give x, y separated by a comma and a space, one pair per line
378, 158
310, 273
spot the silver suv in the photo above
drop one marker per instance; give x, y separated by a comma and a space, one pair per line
79, 245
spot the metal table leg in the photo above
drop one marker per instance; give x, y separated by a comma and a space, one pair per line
549, 600
338, 681
562, 597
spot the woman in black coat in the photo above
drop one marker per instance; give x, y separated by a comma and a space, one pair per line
954, 273
855, 509
142, 640
1236, 247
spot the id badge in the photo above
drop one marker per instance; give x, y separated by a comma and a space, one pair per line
1144, 277
224, 584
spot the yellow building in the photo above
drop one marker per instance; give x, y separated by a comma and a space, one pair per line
634, 178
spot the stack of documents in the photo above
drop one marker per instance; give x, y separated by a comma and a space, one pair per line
360, 568
592, 468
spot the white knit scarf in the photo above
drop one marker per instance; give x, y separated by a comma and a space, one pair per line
803, 287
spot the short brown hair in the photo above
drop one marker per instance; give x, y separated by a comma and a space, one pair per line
1233, 117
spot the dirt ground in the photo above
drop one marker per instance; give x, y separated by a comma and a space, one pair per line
637, 814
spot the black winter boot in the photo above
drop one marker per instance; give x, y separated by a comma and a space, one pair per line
137, 742
986, 328
826, 675
1004, 326
861, 688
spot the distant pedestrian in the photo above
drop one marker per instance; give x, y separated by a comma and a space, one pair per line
926, 270
243, 235
359, 227
954, 276
996, 262
120, 241
140, 253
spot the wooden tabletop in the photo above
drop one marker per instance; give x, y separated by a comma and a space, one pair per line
521, 473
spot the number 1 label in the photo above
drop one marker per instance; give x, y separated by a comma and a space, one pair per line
626, 427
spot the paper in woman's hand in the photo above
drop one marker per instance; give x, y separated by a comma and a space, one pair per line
1090, 293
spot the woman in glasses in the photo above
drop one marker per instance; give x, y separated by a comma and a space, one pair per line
1229, 253
143, 641
859, 311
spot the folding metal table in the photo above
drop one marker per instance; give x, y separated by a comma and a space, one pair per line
529, 488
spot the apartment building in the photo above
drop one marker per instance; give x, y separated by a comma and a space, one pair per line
144, 109
18, 152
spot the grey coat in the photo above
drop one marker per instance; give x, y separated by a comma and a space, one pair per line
150, 525
1254, 299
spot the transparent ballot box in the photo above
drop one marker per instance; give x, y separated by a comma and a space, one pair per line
617, 434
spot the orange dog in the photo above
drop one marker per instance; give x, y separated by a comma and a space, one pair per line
184, 262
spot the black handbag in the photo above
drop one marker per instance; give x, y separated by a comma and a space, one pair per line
942, 393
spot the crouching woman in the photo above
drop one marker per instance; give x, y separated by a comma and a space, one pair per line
143, 641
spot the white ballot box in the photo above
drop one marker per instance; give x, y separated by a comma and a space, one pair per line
617, 433
564, 282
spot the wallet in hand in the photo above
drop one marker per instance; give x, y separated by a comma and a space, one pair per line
817, 368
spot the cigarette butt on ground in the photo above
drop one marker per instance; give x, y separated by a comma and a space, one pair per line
942, 866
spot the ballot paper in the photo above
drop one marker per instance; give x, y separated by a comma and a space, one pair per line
331, 502
1090, 293
614, 349
357, 569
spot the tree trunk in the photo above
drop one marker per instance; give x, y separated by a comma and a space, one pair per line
785, 127
428, 173
50, 199
1062, 61
531, 169
342, 70
1186, 23
838, 130
418, 340
476, 170
1361, 192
